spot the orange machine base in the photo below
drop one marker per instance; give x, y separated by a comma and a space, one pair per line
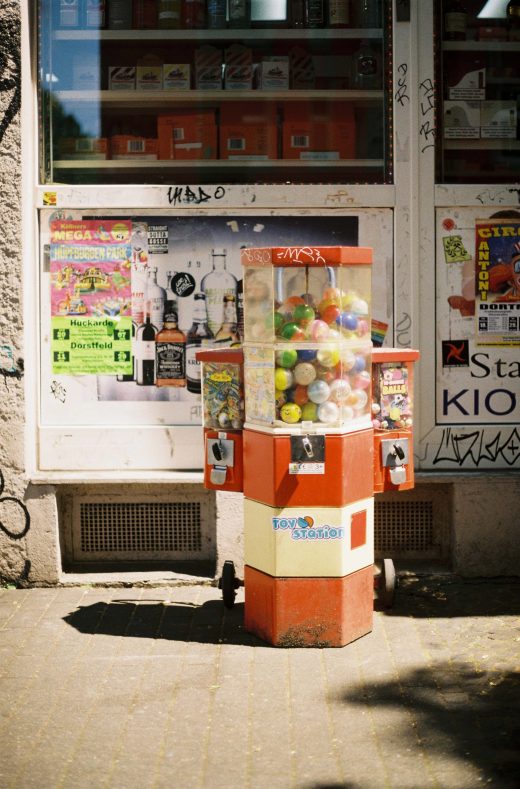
309, 612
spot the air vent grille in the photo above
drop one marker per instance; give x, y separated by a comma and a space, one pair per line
404, 527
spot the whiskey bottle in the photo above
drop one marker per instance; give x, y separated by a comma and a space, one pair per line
314, 13
215, 285
228, 332
170, 350
198, 335
119, 15
455, 21
144, 354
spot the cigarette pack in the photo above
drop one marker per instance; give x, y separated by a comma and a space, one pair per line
248, 132
208, 68
121, 78
319, 131
188, 135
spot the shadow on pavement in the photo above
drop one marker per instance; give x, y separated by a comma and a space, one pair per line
451, 596
460, 714
209, 623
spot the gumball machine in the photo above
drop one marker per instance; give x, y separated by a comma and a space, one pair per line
223, 409
308, 445
392, 412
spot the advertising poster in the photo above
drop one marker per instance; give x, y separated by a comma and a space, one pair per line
90, 283
497, 282
477, 357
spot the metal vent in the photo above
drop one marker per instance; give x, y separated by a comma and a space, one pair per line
142, 530
404, 527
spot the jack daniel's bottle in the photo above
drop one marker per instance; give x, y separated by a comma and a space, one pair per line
170, 350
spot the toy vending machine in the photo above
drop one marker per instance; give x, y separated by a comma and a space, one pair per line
392, 411
223, 408
308, 445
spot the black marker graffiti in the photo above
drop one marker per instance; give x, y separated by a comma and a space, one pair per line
10, 69
401, 95
427, 106
185, 194
59, 391
473, 448
502, 196
25, 517
403, 331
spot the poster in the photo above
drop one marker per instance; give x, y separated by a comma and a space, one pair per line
497, 282
90, 297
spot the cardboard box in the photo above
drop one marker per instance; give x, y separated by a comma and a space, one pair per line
121, 78
238, 68
498, 119
302, 76
176, 76
149, 73
187, 135
129, 146
273, 73
248, 132
461, 120
318, 131
208, 68
83, 148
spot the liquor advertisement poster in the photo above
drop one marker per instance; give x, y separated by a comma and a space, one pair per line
497, 282
90, 283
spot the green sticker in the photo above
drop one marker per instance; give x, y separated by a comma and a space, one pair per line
454, 249
86, 346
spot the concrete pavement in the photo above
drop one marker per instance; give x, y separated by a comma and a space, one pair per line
161, 687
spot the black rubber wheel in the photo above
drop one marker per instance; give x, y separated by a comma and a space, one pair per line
228, 584
387, 583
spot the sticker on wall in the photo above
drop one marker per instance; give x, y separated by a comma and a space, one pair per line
91, 324
50, 198
454, 249
455, 353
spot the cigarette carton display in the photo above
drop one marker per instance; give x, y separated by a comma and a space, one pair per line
149, 73
467, 82
318, 131
208, 68
302, 74
83, 148
190, 134
273, 73
238, 68
121, 78
461, 120
248, 132
129, 146
498, 119
176, 76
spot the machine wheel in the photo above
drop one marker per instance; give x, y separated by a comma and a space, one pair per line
228, 583
387, 583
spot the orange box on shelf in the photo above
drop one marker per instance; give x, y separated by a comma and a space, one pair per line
187, 135
83, 148
248, 132
340, 473
297, 612
131, 146
319, 131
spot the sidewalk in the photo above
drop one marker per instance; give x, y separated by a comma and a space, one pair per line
161, 687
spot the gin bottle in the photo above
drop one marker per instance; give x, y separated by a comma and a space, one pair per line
155, 299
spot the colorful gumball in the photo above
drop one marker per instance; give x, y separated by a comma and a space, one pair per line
346, 299
290, 413
359, 307
330, 313
279, 321
347, 320
306, 355
303, 314
310, 412
300, 395
340, 390
318, 391
291, 331
286, 358
328, 412
358, 399
304, 373
363, 327
361, 380
283, 379
318, 330
328, 357
360, 363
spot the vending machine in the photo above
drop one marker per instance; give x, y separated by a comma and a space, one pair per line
309, 436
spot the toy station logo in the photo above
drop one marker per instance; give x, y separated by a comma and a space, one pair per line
303, 528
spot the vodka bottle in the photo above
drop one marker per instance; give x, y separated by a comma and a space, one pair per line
198, 335
215, 285
155, 299
170, 350
144, 353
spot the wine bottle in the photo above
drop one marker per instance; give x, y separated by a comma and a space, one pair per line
144, 352
455, 21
